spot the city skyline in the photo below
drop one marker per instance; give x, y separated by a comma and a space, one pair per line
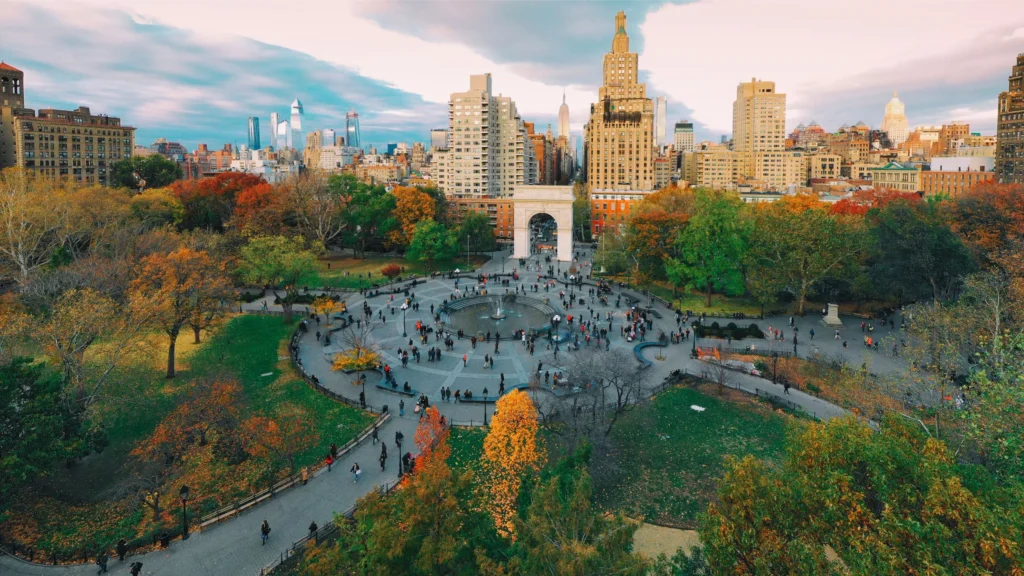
176, 76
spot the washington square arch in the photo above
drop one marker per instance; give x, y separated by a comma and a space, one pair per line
542, 205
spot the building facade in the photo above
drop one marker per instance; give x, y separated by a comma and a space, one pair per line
660, 120
610, 209
896, 176
759, 134
683, 136
620, 132
438, 139
254, 133
1010, 128
499, 211
894, 123
563, 118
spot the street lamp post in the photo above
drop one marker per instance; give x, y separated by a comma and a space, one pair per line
405, 306
184, 511
693, 352
401, 471
485, 411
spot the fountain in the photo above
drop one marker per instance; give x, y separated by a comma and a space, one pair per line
499, 314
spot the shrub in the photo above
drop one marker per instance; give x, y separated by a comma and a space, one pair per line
391, 270
715, 326
731, 326
813, 388
753, 328
355, 359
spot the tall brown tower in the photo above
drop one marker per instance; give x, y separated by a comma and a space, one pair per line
12, 86
620, 134
1010, 129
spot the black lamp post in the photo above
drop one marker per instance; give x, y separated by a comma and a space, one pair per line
401, 470
775, 367
694, 351
184, 511
485, 410
405, 306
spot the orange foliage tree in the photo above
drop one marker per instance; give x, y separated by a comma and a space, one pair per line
650, 240
279, 440
179, 288
391, 270
259, 210
863, 200
430, 434
209, 202
990, 217
510, 451
210, 405
412, 205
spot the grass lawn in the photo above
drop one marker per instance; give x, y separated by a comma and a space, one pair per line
670, 457
467, 447
721, 305
91, 502
350, 273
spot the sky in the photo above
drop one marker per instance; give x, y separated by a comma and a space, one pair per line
193, 71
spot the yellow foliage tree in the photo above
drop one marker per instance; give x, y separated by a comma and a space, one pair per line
510, 451
324, 305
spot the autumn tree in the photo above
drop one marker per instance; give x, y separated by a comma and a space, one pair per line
78, 320
800, 243
888, 502
278, 262
650, 242
259, 210
412, 206
157, 208
181, 288
326, 305
510, 452
319, 203
34, 216
711, 247
144, 172
432, 242
210, 202
14, 326
671, 200
280, 438
391, 271
210, 407
915, 252
990, 218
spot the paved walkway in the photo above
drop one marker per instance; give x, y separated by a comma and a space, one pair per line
233, 547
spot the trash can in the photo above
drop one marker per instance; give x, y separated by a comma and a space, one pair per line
165, 539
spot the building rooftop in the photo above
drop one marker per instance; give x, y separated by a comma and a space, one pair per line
6, 66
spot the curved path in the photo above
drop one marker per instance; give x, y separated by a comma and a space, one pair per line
233, 547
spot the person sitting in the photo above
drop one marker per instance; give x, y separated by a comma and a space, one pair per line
406, 387
394, 384
467, 394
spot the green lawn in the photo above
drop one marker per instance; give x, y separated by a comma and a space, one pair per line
467, 446
670, 456
84, 503
350, 273
721, 305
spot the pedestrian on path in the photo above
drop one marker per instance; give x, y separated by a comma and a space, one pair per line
465, 359
334, 451
785, 386
122, 549
135, 569
265, 532
401, 407
812, 333
305, 475
375, 434
355, 472
101, 561
313, 528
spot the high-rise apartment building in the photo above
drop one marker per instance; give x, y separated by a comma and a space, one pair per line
660, 120
254, 133
759, 135
352, 137
1010, 129
619, 146
683, 136
275, 120
296, 123
563, 118
952, 136
58, 143
894, 123
488, 151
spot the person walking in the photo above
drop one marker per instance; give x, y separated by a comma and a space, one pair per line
330, 462
135, 569
122, 549
785, 386
264, 532
355, 472
313, 528
812, 333
465, 359
401, 407
101, 561
383, 456
375, 434
334, 451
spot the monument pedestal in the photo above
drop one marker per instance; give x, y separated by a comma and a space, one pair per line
832, 317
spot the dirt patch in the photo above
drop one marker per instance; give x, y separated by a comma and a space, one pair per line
651, 540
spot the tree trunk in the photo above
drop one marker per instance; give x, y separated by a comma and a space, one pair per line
195, 331
170, 352
803, 295
707, 299
286, 306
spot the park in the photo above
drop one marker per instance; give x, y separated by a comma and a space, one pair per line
487, 397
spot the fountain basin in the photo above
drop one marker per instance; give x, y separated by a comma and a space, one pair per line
494, 313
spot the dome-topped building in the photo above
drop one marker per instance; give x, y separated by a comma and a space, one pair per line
895, 121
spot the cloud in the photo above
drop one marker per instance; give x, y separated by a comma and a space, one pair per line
817, 50
190, 87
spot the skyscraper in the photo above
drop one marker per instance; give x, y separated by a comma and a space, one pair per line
563, 118
683, 136
254, 133
759, 129
352, 129
275, 120
894, 123
620, 132
284, 135
1010, 129
328, 137
660, 120
296, 123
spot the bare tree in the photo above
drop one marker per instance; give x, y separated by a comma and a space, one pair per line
720, 373
319, 205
